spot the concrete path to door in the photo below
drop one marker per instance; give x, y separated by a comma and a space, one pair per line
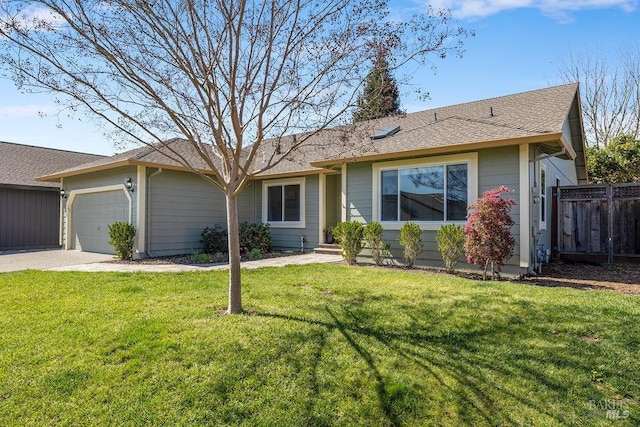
47, 259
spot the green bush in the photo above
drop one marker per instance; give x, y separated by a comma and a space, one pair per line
373, 239
349, 236
122, 236
214, 239
200, 258
255, 236
411, 239
450, 239
254, 254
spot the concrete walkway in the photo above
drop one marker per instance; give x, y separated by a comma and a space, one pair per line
310, 258
47, 259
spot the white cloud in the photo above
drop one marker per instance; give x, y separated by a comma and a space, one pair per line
469, 9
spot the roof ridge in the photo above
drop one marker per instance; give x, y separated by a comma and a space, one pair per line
477, 101
53, 149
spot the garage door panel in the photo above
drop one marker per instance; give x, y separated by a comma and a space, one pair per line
92, 214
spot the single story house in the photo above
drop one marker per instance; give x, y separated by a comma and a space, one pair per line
30, 209
425, 167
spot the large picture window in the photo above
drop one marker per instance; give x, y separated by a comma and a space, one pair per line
430, 192
283, 203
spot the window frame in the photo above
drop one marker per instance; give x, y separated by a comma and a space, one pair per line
265, 202
470, 159
542, 210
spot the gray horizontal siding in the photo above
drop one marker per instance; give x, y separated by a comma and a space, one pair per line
29, 219
496, 167
180, 206
359, 186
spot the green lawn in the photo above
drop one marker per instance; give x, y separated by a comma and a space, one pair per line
320, 345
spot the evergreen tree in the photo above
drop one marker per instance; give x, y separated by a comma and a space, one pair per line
381, 97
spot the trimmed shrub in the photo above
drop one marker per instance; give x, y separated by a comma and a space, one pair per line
349, 235
411, 240
450, 239
255, 236
488, 231
254, 254
214, 239
373, 238
200, 258
122, 236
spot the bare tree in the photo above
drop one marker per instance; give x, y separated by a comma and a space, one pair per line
610, 94
227, 76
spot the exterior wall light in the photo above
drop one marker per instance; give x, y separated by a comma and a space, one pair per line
129, 184
63, 193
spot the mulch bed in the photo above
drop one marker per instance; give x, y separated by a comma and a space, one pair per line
622, 278
188, 260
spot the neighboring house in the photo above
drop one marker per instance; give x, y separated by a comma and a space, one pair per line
424, 167
30, 210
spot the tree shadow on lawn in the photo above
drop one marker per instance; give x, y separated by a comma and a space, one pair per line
458, 362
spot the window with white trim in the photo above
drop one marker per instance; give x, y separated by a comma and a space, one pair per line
430, 191
283, 203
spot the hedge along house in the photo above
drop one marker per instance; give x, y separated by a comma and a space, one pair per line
424, 167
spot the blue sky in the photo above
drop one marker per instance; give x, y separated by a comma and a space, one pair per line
519, 46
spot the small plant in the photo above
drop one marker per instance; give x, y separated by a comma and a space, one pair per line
122, 236
349, 235
373, 238
220, 257
488, 231
214, 239
200, 258
254, 254
450, 240
411, 239
255, 236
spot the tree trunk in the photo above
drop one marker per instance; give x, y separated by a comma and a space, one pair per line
235, 292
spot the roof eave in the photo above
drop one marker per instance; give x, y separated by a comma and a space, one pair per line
554, 137
65, 174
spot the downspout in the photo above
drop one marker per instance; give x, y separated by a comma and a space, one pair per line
149, 193
535, 199
63, 208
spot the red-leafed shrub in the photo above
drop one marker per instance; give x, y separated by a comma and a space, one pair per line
488, 231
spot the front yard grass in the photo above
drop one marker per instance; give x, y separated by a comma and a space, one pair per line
320, 345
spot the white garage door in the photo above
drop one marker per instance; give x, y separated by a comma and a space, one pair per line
92, 213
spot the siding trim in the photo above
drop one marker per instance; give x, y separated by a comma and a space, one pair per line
343, 196
72, 197
322, 206
141, 212
62, 215
525, 211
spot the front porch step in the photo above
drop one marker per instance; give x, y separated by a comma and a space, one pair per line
327, 249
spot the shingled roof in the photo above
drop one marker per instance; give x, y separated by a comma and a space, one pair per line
21, 164
530, 117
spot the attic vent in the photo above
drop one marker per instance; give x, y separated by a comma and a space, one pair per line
383, 133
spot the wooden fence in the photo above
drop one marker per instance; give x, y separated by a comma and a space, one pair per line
596, 222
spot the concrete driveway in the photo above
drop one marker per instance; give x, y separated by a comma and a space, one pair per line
46, 259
